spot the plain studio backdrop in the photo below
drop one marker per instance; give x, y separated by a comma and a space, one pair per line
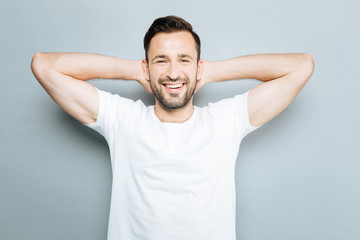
297, 177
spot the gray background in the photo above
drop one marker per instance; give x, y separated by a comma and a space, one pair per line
297, 177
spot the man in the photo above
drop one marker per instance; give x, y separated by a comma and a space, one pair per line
173, 163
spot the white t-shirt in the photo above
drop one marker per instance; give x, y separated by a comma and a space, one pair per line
172, 181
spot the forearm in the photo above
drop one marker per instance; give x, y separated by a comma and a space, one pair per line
85, 66
263, 67
283, 76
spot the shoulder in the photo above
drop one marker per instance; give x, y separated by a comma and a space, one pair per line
228, 105
114, 101
115, 110
231, 113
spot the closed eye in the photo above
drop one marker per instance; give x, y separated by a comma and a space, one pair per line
184, 60
159, 59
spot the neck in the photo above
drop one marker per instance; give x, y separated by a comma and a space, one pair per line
174, 115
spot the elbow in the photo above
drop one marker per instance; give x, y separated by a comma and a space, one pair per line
307, 64
36, 64
304, 67
39, 64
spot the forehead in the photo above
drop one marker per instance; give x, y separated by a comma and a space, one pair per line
172, 44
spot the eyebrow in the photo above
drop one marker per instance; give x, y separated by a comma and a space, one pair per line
158, 56
184, 56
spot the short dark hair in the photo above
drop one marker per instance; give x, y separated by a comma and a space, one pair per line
169, 24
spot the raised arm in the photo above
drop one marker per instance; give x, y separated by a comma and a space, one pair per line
283, 76
64, 75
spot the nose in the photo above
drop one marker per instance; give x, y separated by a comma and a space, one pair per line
173, 71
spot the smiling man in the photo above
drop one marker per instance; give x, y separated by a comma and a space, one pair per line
173, 88
172, 66
173, 163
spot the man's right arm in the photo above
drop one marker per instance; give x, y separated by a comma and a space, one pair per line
64, 75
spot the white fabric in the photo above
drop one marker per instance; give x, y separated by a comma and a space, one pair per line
172, 181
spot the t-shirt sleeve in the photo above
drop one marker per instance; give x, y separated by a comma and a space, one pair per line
113, 110
242, 122
234, 114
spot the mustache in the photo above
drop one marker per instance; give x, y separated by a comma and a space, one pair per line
168, 79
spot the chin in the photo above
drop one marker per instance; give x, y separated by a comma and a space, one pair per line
174, 105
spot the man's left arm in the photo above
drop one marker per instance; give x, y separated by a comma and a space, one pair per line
283, 76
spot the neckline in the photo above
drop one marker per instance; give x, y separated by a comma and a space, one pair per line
188, 121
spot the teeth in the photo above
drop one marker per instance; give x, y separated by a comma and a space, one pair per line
174, 85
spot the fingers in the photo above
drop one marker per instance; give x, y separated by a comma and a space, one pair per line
146, 85
199, 85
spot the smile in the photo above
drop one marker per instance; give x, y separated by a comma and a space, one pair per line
174, 87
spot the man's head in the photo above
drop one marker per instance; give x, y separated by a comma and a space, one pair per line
170, 24
172, 64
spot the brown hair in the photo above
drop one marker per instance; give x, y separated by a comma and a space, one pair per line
169, 24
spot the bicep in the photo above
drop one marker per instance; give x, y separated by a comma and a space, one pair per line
76, 97
269, 98
266, 101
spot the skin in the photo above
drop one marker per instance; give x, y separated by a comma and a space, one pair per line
171, 59
283, 77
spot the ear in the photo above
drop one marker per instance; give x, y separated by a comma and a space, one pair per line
200, 69
145, 69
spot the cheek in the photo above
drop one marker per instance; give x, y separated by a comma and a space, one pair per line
152, 75
155, 72
191, 74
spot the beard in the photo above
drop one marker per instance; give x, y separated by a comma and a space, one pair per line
173, 101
